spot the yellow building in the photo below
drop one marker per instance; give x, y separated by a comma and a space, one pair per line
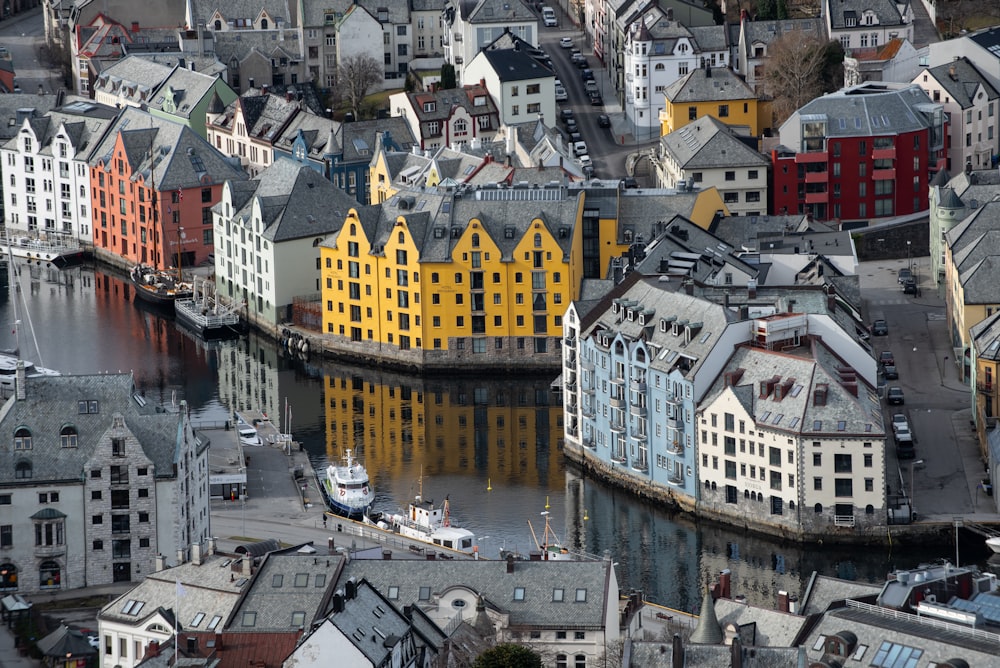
716, 92
390, 171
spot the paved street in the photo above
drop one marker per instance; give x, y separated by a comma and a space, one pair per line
23, 36
946, 479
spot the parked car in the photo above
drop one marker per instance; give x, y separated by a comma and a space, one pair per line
880, 327
575, 136
585, 161
899, 420
895, 396
904, 275
590, 86
905, 450
561, 95
630, 182
595, 99
903, 434
603, 121
579, 148
549, 17
885, 358
587, 74
566, 114
910, 287
571, 125
890, 372
566, 42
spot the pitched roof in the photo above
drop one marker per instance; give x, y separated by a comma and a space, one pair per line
709, 84
962, 80
843, 12
868, 109
185, 88
514, 65
708, 143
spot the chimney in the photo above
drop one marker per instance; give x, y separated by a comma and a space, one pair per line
952, 73
264, 88
180, 557
736, 653
338, 601
831, 298
250, 82
677, 653
689, 288
510, 563
153, 649
725, 583
708, 70
386, 555
351, 589
135, 28
247, 565
21, 393
159, 563
751, 289
968, 168
782, 601
289, 95
211, 545
793, 604
218, 641
196, 554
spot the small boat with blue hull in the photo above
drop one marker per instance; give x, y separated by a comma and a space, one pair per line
346, 488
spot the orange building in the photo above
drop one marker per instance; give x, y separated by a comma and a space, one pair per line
154, 183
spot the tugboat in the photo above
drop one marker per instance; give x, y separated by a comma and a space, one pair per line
426, 523
347, 490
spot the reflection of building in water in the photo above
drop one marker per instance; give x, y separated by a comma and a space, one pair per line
498, 427
248, 376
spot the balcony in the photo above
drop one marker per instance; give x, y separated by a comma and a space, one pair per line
817, 198
984, 388
883, 174
637, 385
619, 382
843, 521
589, 442
618, 427
675, 480
675, 447
642, 466
568, 341
616, 402
675, 423
49, 551
812, 156
637, 410
572, 431
570, 358
570, 386
619, 458
588, 412
587, 364
884, 153
817, 177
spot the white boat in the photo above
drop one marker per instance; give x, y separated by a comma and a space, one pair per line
248, 435
347, 489
994, 544
426, 523
60, 252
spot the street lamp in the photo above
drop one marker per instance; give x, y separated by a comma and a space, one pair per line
909, 264
913, 465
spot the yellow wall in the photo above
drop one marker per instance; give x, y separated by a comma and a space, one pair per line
708, 203
380, 180
677, 116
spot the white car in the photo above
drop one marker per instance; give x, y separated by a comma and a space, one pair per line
899, 421
580, 148
566, 42
561, 94
585, 160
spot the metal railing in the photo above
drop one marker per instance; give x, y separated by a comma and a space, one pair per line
889, 613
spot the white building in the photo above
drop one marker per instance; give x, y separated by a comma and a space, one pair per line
659, 51
99, 484
522, 88
248, 127
971, 102
267, 233
706, 152
46, 173
469, 27
865, 23
791, 435
448, 117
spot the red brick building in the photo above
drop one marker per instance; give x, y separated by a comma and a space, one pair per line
860, 153
153, 185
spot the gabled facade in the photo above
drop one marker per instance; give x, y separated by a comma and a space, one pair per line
865, 23
476, 278
356, 142
707, 152
46, 173
268, 230
469, 27
984, 366
896, 60
659, 51
188, 97
248, 127
259, 58
971, 102
131, 81
522, 88
755, 37
709, 91
98, 484
860, 153
141, 172
792, 440
448, 117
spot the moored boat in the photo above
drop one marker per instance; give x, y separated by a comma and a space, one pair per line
426, 523
206, 315
346, 488
158, 287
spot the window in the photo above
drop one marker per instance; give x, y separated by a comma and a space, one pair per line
843, 487
518, 593
723, 110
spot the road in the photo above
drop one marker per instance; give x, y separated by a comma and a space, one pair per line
23, 35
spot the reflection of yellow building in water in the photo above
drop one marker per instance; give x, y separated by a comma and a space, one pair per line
447, 425
457, 277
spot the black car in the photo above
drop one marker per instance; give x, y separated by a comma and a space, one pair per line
595, 99
880, 328
885, 358
571, 125
910, 287
603, 121
630, 182
890, 372
904, 275
566, 114
895, 396
587, 74
575, 136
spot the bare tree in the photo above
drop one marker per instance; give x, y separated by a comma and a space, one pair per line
793, 72
357, 75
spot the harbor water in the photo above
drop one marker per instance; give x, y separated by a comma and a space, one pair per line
491, 445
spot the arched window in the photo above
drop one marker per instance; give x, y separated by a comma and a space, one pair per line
354, 229
22, 469
475, 240
401, 238
746, 494
818, 508
869, 509
263, 24
218, 24
580, 661
22, 439
791, 505
640, 355
538, 240
708, 485
659, 67
8, 577
49, 575
67, 436
714, 487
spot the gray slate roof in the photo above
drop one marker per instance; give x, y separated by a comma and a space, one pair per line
867, 110
170, 154
51, 402
702, 84
85, 123
514, 65
296, 202
840, 10
14, 107
495, 11
188, 88
201, 11
986, 337
708, 143
962, 80
680, 235
133, 78
358, 139
491, 580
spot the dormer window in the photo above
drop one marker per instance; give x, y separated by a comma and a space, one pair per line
22, 439
430, 106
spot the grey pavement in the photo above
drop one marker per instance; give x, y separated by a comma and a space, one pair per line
924, 30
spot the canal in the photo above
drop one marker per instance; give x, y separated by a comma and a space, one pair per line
490, 444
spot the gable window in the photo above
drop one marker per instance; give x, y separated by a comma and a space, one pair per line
22, 439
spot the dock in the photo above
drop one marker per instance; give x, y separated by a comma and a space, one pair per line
59, 252
269, 434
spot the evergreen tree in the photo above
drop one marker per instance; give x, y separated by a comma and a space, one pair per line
448, 78
508, 655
